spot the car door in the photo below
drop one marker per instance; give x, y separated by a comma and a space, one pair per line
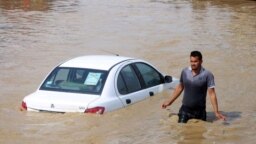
129, 86
137, 81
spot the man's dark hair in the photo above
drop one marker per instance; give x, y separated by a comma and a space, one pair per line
196, 54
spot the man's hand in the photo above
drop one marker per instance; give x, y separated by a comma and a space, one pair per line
165, 104
220, 116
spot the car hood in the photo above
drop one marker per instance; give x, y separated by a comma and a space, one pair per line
58, 101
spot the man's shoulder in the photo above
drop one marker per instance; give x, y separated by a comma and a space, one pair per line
186, 69
207, 73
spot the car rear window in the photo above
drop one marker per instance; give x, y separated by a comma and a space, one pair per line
75, 80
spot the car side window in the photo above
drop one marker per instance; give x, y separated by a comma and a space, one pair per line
121, 85
150, 76
128, 81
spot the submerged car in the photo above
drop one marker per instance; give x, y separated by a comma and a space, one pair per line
97, 84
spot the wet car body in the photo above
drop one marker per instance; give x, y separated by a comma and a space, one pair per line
97, 84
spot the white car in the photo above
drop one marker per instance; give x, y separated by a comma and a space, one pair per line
97, 84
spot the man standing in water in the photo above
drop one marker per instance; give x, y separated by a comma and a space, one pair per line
195, 81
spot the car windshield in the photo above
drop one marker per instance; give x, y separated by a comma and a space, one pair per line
75, 80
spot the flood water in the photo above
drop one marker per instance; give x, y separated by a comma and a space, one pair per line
36, 35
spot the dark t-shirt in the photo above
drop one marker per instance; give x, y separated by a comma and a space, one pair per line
195, 87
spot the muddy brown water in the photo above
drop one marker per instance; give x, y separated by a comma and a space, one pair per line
36, 35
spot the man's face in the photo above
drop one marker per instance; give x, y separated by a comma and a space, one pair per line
195, 63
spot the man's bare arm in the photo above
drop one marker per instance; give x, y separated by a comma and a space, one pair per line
214, 101
174, 96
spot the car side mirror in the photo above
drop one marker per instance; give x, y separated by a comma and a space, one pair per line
168, 79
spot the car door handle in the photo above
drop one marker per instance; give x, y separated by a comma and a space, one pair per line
151, 93
128, 101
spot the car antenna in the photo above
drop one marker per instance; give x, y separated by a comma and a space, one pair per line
109, 52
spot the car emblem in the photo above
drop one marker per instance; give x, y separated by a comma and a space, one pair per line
52, 106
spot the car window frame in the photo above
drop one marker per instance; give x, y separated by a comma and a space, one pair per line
125, 83
139, 76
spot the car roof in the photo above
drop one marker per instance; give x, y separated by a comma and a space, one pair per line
100, 62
